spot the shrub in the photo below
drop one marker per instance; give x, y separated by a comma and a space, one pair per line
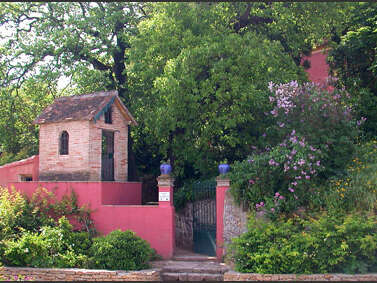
357, 189
120, 251
312, 138
51, 247
324, 244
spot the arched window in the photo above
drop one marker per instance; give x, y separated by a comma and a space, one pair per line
64, 139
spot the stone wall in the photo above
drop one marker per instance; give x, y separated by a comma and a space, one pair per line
64, 274
235, 219
235, 276
183, 227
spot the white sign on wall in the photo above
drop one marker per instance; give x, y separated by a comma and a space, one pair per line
164, 196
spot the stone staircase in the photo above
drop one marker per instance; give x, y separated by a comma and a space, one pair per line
192, 267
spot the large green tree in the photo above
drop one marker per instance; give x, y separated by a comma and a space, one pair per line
202, 72
354, 60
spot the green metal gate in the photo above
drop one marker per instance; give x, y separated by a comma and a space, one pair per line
204, 217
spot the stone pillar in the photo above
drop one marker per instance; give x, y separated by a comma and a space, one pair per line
223, 184
165, 190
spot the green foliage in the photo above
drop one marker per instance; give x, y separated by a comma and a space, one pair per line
326, 244
120, 250
310, 138
51, 247
355, 190
354, 62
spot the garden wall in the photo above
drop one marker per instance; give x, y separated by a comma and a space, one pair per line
64, 274
234, 219
12, 172
235, 276
110, 203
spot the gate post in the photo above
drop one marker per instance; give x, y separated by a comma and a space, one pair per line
223, 184
165, 201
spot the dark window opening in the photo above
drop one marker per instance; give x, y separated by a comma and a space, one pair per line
26, 178
108, 116
64, 139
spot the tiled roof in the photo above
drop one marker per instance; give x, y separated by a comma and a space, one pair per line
81, 107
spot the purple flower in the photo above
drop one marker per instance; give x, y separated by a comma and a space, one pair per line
301, 162
312, 148
307, 177
274, 112
257, 205
264, 134
250, 160
318, 163
294, 183
293, 133
281, 197
302, 143
277, 194
291, 190
252, 182
272, 99
294, 167
272, 209
261, 203
298, 177
293, 139
293, 152
281, 125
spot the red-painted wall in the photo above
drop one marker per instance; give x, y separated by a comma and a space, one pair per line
11, 172
319, 69
154, 224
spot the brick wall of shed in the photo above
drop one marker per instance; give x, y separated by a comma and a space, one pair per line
120, 126
71, 167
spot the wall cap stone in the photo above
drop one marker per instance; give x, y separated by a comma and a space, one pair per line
165, 180
222, 181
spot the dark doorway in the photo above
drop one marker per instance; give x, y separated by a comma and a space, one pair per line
204, 217
107, 170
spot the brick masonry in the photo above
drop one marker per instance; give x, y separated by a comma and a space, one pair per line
83, 163
64, 274
235, 276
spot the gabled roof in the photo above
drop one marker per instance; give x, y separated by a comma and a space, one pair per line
82, 107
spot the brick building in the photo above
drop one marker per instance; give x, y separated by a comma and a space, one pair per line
84, 138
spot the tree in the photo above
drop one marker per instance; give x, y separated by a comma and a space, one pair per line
354, 61
202, 75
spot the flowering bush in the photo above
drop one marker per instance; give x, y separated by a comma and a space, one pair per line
311, 139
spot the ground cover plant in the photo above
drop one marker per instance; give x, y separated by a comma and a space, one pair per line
36, 232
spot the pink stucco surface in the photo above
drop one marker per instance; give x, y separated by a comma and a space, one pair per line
220, 199
121, 193
154, 224
319, 69
11, 172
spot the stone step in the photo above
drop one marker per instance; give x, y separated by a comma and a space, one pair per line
188, 269
194, 258
171, 276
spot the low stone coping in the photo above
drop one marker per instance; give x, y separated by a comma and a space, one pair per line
236, 276
73, 274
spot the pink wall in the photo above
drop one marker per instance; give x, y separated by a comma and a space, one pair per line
155, 224
319, 69
121, 193
220, 199
11, 172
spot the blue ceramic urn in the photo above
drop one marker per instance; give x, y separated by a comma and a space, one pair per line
165, 169
224, 168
